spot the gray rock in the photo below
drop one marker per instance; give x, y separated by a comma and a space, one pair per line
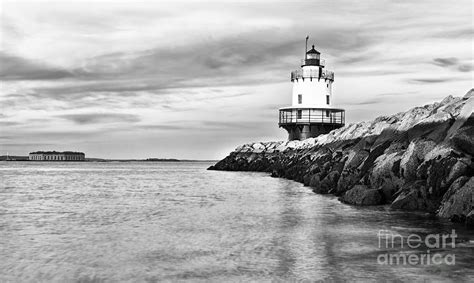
413, 157
460, 168
415, 196
346, 181
314, 181
407, 200
361, 195
470, 218
464, 139
329, 182
385, 175
388, 191
459, 199
356, 158
469, 94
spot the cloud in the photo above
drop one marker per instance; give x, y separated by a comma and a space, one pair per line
26, 144
99, 118
445, 62
356, 58
210, 59
9, 123
17, 68
466, 67
366, 102
453, 63
147, 68
429, 81
455, 33
396, 93
205, 125
174, 126
222, 125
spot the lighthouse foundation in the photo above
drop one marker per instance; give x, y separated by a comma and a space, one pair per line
302, 132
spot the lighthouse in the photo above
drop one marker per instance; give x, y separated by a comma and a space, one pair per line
311, 112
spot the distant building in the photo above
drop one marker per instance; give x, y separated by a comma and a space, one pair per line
57, 156
311, 113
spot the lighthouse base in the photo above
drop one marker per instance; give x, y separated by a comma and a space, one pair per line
302, 132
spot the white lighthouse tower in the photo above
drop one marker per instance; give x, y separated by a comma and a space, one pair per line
311, 113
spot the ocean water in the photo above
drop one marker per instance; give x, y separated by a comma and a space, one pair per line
147, 222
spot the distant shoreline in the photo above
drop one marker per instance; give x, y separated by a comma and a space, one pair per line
25, 158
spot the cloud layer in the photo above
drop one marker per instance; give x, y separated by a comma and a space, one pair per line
193, 80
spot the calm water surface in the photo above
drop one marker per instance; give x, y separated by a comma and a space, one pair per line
176, 221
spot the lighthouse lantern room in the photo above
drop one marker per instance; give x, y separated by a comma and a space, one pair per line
311, 113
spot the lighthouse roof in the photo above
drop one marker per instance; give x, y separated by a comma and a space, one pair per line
313, 51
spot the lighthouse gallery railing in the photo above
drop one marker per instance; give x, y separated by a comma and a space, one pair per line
312, 116
312, 74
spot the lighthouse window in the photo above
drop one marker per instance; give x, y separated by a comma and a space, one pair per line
299, 114
327, 113
327, 99
300, 98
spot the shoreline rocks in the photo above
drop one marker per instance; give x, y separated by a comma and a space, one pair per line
421, 159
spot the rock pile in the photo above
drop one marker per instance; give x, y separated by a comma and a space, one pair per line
421, 159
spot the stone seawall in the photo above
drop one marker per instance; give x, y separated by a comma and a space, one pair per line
421, 160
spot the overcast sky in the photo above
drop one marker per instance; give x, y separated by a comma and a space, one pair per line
194, 79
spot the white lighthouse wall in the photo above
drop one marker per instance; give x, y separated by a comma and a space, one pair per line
313, 93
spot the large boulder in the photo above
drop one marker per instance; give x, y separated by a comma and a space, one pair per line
464, 140
347, 180
386, 173
441, 172
355, 158
329, 182
469, 94
407, 200
462, 167
388, 191
314, 181
458, 203
414, 156
470, 218
258, 147
374, 153
362, 195
415, 196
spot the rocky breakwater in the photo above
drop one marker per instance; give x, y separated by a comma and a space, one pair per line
421, 159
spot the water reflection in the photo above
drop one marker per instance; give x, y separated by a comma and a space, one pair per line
289, 218
177, 221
